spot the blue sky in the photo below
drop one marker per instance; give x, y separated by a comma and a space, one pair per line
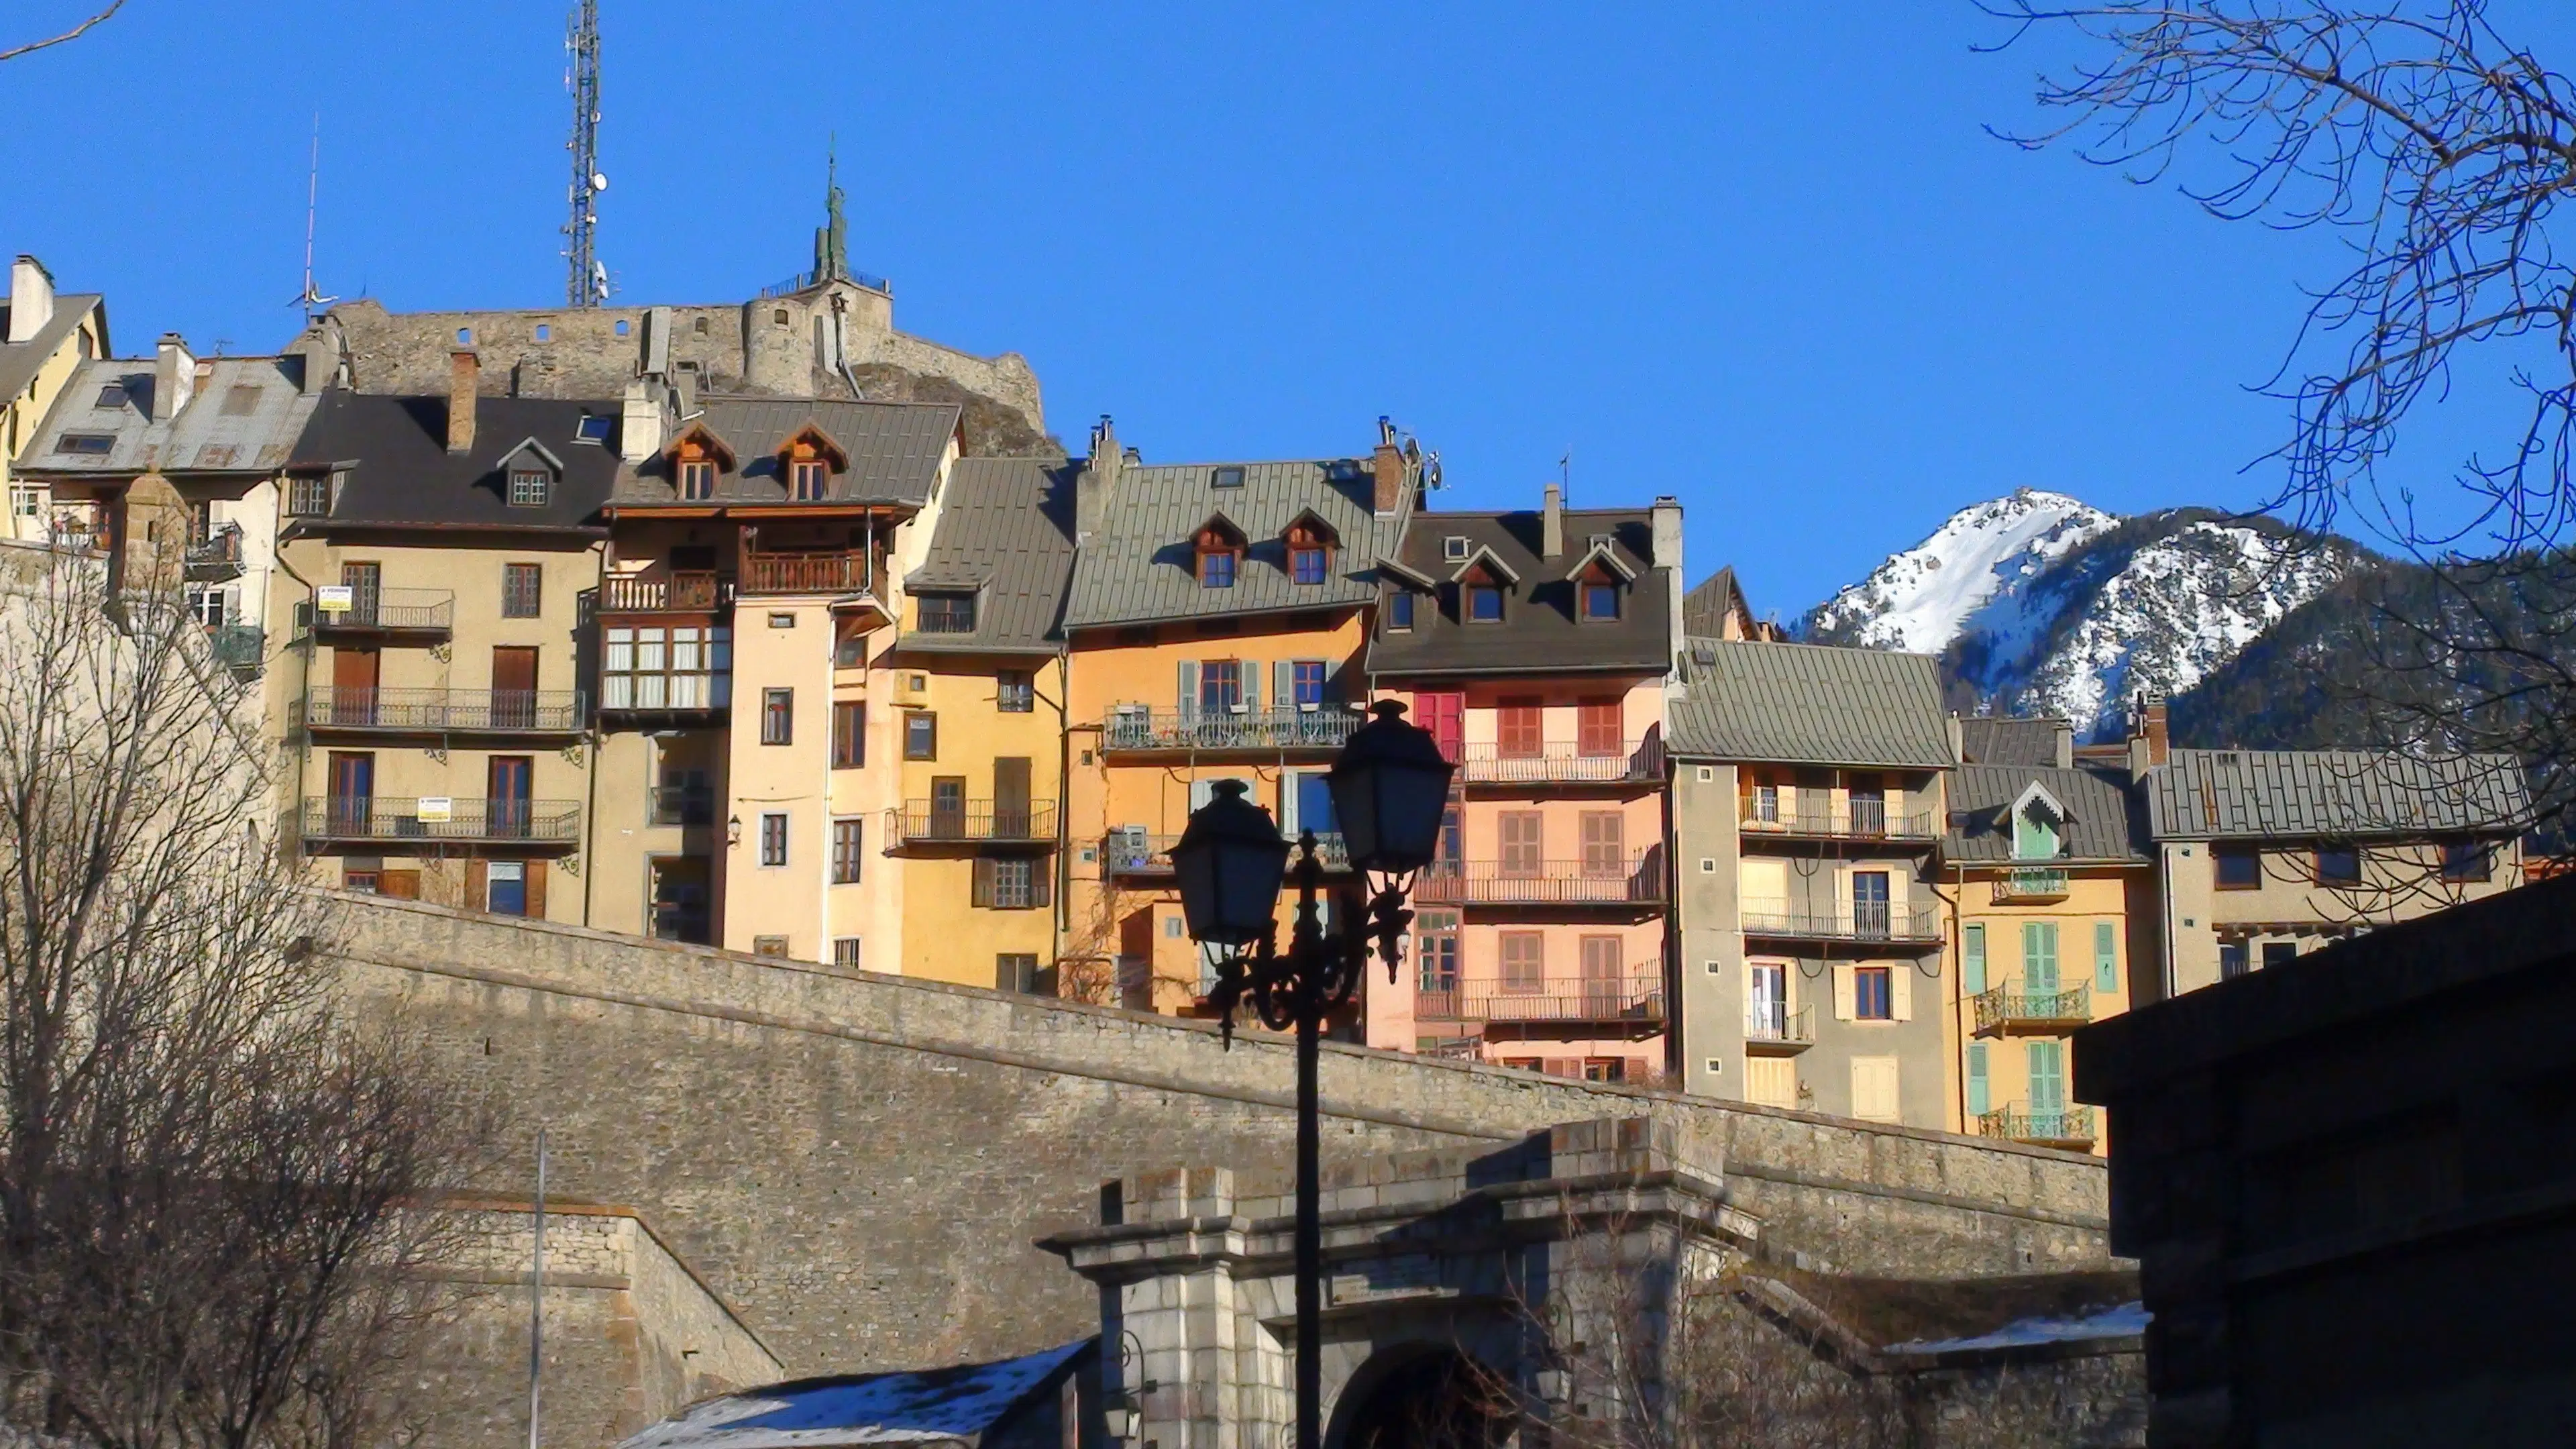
1762, 257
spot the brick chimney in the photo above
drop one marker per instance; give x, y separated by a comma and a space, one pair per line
1551, 522
174, 378
31, 298
2149, 743
1098, 479
1387, 463
464, 373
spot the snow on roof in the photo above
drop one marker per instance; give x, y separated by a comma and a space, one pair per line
955, 1404
2122, 1320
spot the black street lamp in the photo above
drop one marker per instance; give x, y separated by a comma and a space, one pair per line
1390, 790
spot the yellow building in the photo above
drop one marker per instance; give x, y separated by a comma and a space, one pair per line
44, 338
433, 564
2049, 888
1214, 631
979, 719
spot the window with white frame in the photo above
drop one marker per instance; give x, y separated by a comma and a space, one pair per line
688, 666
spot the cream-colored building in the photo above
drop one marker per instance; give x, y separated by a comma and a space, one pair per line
45, 336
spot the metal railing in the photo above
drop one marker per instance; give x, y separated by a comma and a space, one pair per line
681, 805
2019, 1123
1631, 1001
218, 553
686, 593
1772, 1021
1638, 880
391, 609
1844, 820
1562, 763
1868, 922
805, 573
930, 820
239, 647
2031, 883
2011, 1005
803, 280
1131, 853
549, 711
397, 818
1324, 727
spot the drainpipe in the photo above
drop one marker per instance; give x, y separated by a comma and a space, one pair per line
303, 687
1063, 810
590, 808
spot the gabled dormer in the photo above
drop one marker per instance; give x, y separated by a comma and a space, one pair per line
808, 460
1483, 582
695, 457
2038, 823
1601, 582
530, 473
1312, 545
1217, 550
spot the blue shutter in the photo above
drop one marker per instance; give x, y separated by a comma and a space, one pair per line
2039, 957
2106, 956
1972, 948
2047, 1078
1978, 1103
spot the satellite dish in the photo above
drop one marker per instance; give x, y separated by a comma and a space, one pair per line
599, 181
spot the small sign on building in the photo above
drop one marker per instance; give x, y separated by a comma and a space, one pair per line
436, 809
335, 598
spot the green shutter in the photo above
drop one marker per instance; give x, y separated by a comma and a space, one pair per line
2047, 1078
1189, 688
2039, 957
1972, 947
1978, 1105
2106, 956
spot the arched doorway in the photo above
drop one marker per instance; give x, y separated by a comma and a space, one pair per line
1424, 1398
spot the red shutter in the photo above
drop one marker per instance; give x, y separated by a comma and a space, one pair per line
1521, 728
1597, 728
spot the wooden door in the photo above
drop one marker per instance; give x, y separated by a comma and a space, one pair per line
948, 807
1445, 715
1011, 798
1602, 975
366, 583
509, 779
353, 786
514, 688
354, 673
1523, 852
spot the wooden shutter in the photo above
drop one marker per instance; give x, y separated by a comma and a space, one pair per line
1605, 852
1597, 727
1979, 1093
1842, 991
2039, 956
1972, 962
1520, 728
1247, 674
1189, 687
402, 885
1523, 837
1900, 990
2047, 1077
1771, 1081
477, 884
536, 880
1874, 1089
1524, 956
982, 891
1283, 685
1042, 883
2106, 956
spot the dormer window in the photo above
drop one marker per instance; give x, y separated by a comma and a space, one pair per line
1453, 548
2035, 828
530, 486
695, 457
946, 613
1484, 603
1219, 553
1216, 568
810, 479
1600, 602
697, 479
1399, 612
808, 462
1310, 549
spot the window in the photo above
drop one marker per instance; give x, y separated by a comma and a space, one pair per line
1016, 971
2239, 867
782, 621
544, 333
1603, 972
1015, 691
689, 667
777, 716
1216, 568
945, 613
86, 445
1306, 679
1600, 602
522, 590
849, 734
1875, 1095
1605, 848
1436, 942
2034, 834
2279, 953
2106, 956
845, 852
2039, 957
1522, 831
464, 336
593, 428
698, 479
846, 951
1453, 548
308, 496
1230, 476
1872, 994
769, 946
2046, 1063
1980, 1094
1484, 604
1605, 1069
2231, 960
778, 317
1972, 952
2338, 865
809, 479
1220, 686
1597, 729
773, 838
1766, 1000
1306, 564
1524, 956
530, 487
1520, 728
621, 326
920, 735
1012, 883
354, 879
2467, 860
113, 396
209, 605
1399, 612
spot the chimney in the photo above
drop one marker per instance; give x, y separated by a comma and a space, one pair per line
1098, 480
639, 425
2064, 736
31, 298
174, 378
464, 372
657, 341
1387, 463
1551, 522
2149, 743
1668, 558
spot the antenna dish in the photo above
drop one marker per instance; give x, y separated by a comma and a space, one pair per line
598, 181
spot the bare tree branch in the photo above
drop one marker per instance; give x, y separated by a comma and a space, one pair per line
75, 33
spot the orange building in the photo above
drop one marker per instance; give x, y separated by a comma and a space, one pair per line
1535, 646
1214, 630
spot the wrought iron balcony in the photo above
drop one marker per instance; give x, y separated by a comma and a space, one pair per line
931, 822
398, 820
1869, 922
1833, 820
688, 592
1561, 762
841, 572
1628, 1004
2012, 1007
242, 648
389, 612
1637, 880
2045, 1127
1326, 726
1770, 1026
445, 711
1134, 853
218, 555
2025, 884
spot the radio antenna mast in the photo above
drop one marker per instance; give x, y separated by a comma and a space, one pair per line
311, 298
586, 280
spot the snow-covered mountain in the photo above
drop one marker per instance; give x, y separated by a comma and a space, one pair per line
2038, 603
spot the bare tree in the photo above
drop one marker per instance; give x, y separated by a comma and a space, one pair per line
2438, 151
207, 1171
97, 19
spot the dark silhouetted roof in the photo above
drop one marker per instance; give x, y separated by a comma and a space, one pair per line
2263, 794
1992, 741
404, 475
244, 417
1139, 565
2099, 825
1539, 630
894, 451
1006, 532
1808, 704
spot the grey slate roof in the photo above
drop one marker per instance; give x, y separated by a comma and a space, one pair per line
1994, 741
243, 417
1808, 704
19, 361
1139, 567
1539, 629
404, 475
1006, 532
2266, 794
2099, 825
1705, 607
894, 449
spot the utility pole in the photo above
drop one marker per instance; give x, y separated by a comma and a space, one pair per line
586, 281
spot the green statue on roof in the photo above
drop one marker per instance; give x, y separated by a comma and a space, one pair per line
832, 238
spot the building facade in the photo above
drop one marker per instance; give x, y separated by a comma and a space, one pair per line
45, 336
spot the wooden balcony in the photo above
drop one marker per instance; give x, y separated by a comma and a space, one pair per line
844, 572
2012, 1009
1559, 762
668, 593
426, 822
332, 710
1637, 880
1778, 920
2070, 1128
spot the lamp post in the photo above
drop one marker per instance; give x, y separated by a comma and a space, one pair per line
1390, 788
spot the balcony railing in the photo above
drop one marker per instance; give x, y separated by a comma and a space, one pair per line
1867, 922
2012, 1007
673, 593
2047, 1126
1772, 1023
1638, 880
1632, 1002
930, 821
2030, 883
805, 573
659, 691
1563, 763
1133, 853
431, 610
1845, 820
238, 647
531, 711
681, 805
218, 555
397, 819
1324, 727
